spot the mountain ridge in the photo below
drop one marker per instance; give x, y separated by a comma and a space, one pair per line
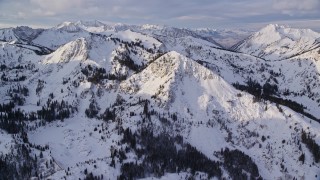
155, 102
275, 41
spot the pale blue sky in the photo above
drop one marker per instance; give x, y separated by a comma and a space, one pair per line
180, 13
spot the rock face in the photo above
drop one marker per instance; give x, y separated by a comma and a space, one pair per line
89, 100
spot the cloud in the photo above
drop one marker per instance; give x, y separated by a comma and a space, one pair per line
58, 5
197, 18
293, 7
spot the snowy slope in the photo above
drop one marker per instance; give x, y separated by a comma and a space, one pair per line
102, 82
91, 26
298, 75
7, 35
226, 37
60, 35
275, 42
214, 114
231, 121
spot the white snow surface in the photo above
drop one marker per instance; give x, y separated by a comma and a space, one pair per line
275, 42
182, 74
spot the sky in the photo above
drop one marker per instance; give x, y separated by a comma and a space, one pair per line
178, 13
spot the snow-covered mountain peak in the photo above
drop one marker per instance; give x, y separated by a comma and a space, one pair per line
272, 27
120, 27
174, 63
283, 31
94, 23
94, 26
151, 27
65, 23
275, 42
206, 29
74, 50
68, 26
183, 66
26, 33
164, 73
8, 35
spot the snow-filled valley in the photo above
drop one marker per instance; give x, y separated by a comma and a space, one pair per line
87, 100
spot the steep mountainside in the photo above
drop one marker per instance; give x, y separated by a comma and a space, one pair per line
89, 100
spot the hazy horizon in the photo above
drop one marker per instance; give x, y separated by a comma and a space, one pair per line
219, 14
